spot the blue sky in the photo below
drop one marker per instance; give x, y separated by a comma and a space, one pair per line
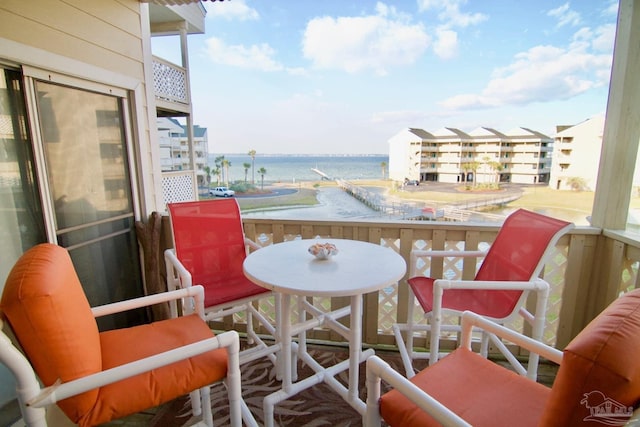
340, 76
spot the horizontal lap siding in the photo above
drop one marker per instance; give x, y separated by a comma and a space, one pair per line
103, 33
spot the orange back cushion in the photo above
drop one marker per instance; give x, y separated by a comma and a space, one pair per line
51, 318
600, 370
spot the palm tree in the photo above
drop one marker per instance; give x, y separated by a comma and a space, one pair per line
225, 167
383, 165
218, 163
252, 154
207, 170
262, 172
496, 167
216, 172
246, 167
471, 167
485, 160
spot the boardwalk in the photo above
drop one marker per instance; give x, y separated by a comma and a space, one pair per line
457, 211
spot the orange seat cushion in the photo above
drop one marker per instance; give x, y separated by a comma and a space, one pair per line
161, 385
600, 368
52, 320
478, 390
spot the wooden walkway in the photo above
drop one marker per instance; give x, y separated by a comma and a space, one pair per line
459, 211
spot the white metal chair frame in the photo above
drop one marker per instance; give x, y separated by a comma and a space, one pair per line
33, 399
179, 277
536, 319
378, 369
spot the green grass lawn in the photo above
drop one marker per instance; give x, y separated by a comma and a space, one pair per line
303, 197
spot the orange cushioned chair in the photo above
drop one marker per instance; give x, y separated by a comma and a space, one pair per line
209, 249
598, 381
93, 376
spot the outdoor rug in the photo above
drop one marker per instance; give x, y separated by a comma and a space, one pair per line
315, 406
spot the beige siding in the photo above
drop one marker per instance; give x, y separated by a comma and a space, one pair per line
102, 33
96, 40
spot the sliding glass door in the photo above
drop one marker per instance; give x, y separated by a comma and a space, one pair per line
21, 217
66, 177
88, 174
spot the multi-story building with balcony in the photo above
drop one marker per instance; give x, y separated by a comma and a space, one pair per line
450, 155
175, 152
576, 155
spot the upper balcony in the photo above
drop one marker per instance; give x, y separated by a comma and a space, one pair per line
170, 86
171, 81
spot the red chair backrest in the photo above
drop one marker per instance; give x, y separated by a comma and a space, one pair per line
519, 253
208, 238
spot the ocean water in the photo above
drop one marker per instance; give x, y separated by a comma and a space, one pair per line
295, 168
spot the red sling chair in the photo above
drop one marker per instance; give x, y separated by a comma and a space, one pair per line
508, 273
209, 249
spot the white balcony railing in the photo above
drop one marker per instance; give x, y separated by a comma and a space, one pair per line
170, 81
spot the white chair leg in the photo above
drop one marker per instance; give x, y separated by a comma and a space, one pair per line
233, 382
484, 345
405, 344
250, 339
435, 323
196, 403
537, 330
410, 322
372, 414
205, 400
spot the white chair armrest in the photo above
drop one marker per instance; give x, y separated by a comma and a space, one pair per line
196, 292
379, 369
174, 265
532, 285
57, 392
421, 254
471, 320
447, 254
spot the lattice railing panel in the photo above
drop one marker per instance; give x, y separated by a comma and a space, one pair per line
170, 81
388, 297
178, 187
452, 269
395, 235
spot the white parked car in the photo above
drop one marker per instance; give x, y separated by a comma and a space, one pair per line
222, 192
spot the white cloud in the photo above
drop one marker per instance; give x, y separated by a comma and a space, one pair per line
398, 118
446, 44
565, 15
545, 73
450, 16
604, 38
355, 44
258, 57
235, 10
450, 13
611, 9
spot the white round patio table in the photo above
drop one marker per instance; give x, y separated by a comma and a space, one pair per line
290, 270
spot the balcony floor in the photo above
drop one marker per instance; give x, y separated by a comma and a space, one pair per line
318, 405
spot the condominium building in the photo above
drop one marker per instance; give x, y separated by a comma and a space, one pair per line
174, 147
576, 155
483, 155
